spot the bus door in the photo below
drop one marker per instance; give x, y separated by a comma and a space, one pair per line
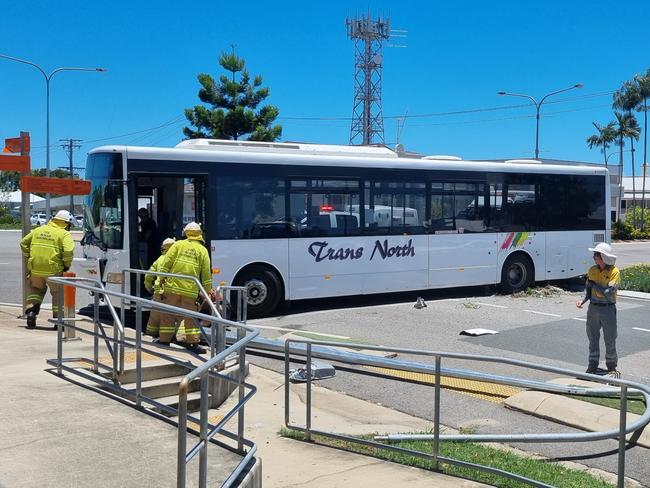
462, 250
161, 205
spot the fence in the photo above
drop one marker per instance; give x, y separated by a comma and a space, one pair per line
210, 368
626, 388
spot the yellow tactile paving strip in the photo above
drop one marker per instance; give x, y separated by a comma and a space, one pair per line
129, 357
490, 392
213, 420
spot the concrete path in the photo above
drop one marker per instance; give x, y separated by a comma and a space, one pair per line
58, 434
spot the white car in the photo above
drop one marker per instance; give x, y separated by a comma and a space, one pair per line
38, 219
80, 220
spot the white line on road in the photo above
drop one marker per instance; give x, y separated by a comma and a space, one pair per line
640, 328
4, 263
285, 329
580, 319
543, 313
491, 305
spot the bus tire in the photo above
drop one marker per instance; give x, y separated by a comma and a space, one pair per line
264, 290
517, 273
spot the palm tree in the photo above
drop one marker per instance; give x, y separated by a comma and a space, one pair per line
627, 99
626, 126
643, 84
606, 135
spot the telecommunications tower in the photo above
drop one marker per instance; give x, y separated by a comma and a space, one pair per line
367, 118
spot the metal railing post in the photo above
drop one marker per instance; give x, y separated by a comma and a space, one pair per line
59, 332
621, 437
287, 366
308, 419
436, 416
240, 381
96, 338
203, 432
118, 348
181, 467
138, 355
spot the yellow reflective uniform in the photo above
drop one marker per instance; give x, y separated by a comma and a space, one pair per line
188, 257
153, 284
49, 250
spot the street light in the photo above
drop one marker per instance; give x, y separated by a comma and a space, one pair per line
48, 77
537, 106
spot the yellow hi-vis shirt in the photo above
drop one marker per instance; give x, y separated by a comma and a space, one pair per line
49, 249
605, 283
188, 257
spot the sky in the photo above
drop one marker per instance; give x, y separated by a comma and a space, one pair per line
455, 57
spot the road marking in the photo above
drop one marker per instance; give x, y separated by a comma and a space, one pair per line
491, 305
543, 313
580, 319
285, 329
640, 328
4, 263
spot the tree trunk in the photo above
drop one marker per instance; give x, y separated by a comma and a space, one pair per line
634, 221
645, 159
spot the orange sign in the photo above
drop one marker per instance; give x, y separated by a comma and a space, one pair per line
14, 163
58, 186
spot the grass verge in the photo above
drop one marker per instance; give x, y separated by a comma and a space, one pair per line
636, 278
538, 469
634, 405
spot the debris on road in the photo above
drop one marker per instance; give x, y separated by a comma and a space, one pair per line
420, 303
478, 332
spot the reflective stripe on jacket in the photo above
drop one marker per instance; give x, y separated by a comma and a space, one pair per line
188, 257
49, 249
152, 282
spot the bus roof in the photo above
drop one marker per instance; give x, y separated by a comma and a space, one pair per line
299, 154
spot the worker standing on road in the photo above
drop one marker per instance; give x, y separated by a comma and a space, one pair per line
603, 281
153, 285
49, 250
187, 257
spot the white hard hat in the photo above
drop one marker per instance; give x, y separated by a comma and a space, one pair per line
64, 215
192, 227
605, 251
168, 242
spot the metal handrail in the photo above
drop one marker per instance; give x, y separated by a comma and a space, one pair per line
217, 341
626, 388
204, 371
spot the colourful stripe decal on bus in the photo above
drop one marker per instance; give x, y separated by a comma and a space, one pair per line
515, 239
506, 243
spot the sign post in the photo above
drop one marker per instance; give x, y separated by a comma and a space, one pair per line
21, 163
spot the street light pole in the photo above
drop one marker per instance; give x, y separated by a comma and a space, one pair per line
537, 107
48, 78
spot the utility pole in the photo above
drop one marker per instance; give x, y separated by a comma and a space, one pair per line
70, 145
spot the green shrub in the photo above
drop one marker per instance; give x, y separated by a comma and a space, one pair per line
622, 230
636, 278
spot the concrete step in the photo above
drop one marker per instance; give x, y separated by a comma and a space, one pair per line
193, 402
154, 372
164, 387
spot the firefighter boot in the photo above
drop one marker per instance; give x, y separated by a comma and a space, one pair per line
32, 312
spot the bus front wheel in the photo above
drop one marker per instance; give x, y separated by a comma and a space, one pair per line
517, 273
263, 290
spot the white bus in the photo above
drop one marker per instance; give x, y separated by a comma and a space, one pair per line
284, 219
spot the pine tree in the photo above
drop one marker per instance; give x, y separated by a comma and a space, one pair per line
233, 110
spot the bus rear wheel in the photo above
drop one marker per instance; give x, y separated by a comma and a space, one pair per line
517, 273
263, 290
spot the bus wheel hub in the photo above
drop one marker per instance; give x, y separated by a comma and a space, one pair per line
257, 292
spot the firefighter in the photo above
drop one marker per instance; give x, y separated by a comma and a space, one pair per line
49, 250
187, 257
153, 285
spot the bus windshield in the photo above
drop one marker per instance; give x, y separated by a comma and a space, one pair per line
103, 222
